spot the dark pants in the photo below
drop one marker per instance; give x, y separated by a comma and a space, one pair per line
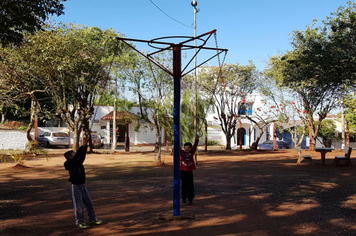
81, 200
187, 188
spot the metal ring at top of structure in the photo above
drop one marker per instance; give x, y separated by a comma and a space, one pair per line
155, 41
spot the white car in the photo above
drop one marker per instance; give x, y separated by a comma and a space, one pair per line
54, 139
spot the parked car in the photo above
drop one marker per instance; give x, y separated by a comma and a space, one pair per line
268, 145
54, 139
96, 140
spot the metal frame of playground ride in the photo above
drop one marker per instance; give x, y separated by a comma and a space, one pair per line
177, 74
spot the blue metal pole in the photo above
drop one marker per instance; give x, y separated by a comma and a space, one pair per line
176, 126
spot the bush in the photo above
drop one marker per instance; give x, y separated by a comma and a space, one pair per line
18, 158
35, 148
23, 128
212, 143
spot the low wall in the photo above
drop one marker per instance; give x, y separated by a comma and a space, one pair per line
13, 140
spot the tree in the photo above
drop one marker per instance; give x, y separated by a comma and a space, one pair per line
350, 114
20, 16
261, 119
7, 98
18, 74
340, 31
152, 88
284, 107
327, 132
320, 68
228, 88
74, 64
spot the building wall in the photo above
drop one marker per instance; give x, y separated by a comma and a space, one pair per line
14, 140
250, 130
145, 135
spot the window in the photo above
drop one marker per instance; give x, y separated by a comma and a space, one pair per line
242, 109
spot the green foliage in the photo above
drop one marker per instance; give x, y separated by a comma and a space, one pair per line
187, 117
23, 128
212, 143
17, 157
327, 132
18, 17
35, 148
151, 89
3, 158
71, 64
350, 113
320, 69
239, 82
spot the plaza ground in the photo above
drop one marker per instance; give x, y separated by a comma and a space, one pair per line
237, 193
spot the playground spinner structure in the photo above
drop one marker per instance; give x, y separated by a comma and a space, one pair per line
177, 72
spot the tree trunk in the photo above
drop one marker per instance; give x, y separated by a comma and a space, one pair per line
240, 133
158, 146
158, 141
3, 115
311, 139
76, 136
34, 105
275, 147
228, 142
159, 154
90, 141
206, 136
347, 134
254, 145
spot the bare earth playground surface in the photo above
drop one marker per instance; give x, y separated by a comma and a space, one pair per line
237, 193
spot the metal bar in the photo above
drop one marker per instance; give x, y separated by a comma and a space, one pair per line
163, 49
177, 64
184, 74
151, 59
199, 36
208, 48
217, 49
154, 61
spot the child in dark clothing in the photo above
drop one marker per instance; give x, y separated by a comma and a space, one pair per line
80, 194
187, 165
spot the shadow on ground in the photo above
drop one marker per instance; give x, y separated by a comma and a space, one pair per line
237, 193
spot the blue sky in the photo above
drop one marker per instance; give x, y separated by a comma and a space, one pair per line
250, 29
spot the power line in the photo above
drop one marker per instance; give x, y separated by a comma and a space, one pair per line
169, 15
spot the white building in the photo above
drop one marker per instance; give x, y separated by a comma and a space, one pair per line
102, 123
250, 131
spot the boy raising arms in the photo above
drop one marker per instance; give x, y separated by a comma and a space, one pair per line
80, 194
187, 165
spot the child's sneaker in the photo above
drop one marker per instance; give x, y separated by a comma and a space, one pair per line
83, 225
96, 222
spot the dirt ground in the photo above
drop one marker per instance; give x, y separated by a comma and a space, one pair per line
237, 193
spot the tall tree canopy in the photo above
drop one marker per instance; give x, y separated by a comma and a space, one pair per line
151, 88
321, 66
20, 16
71, 63
75, 64
228, 88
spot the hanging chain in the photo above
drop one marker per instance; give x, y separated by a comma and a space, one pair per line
220, 66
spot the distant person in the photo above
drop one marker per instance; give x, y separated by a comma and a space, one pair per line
80, 194
187, 165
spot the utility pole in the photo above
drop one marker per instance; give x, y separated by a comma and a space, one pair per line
342, 124
113, 145
194, 4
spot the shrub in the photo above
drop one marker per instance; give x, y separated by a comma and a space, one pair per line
23, 128
212, 143
35, 148
18, 158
